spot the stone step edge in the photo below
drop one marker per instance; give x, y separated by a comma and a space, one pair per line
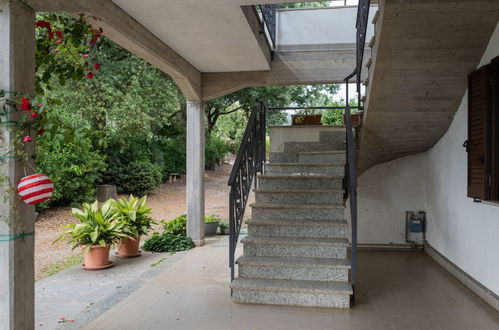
301, 176
295, 206
302, 164
325, 287
299, 222
338, 152
295, 241
294, 262
298, 191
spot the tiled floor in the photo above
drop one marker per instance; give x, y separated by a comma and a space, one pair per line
396, 290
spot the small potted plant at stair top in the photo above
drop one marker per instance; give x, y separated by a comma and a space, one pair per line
134, 214
97, 231
307, 116
224, 227
211, 225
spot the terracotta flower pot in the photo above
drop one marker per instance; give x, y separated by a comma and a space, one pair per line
129, 248
356, 119
306, 119
97, 258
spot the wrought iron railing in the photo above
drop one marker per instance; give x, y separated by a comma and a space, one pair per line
269, 20
248, 163
351, 165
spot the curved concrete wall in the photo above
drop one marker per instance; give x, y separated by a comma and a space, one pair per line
465, 232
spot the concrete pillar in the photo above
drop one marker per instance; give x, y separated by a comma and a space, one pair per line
17, 72
195, 171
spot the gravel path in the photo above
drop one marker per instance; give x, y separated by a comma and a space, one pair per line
167, 202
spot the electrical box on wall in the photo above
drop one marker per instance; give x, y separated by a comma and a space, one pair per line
415, 227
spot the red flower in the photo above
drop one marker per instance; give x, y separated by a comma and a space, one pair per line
25, 104
59, 42
86, 63
59, 34
85, 56
41, 131
43, 24
34, 115
28, 139
51, 35
90, 75
56, 52
96, 66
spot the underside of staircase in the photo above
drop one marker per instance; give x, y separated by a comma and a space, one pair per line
296, 249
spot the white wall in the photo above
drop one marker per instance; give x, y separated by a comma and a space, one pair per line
465, 232
315, 26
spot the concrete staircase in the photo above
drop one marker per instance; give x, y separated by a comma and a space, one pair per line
296, 249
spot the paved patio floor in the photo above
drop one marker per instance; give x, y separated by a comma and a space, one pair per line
396, 290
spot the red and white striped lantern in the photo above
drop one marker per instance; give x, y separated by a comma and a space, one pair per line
35, 188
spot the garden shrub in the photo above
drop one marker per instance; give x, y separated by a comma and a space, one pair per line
73, 167
139, 178
215, 149
177, 226
168, 243
170, 155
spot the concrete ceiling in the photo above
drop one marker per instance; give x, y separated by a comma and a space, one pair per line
214, 36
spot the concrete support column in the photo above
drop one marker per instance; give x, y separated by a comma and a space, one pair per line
195, 171
17, 73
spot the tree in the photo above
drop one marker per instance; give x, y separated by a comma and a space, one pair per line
276, 96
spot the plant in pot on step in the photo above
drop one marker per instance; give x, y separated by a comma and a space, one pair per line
134, 214
98, 229
224, 227
211, 225
307, 116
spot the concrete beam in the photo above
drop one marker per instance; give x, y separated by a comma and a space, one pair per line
17, 72
288, 68
133, 36
195, 171
254, 22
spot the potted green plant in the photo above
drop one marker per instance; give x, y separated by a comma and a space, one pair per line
134, 214
307, 116
98, 229
224, 227
211, 225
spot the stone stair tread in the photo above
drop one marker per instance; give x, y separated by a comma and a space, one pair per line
301, 164
297, 222
294, 262
321, 152
298, 176
266, 240
297, 206
297, 190
325, 287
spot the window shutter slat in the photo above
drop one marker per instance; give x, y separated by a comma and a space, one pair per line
479, 111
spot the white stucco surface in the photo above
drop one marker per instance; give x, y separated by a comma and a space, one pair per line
319, 26
435, 181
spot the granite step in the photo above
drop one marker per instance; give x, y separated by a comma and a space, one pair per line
292, 292
334, 157
283, 157
295, 247
291, 196
286, 268
298, 228
304, 169
272, 181
264, 211
313, 146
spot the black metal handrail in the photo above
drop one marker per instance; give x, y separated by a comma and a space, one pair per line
269, 20
249, 161
351, 165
